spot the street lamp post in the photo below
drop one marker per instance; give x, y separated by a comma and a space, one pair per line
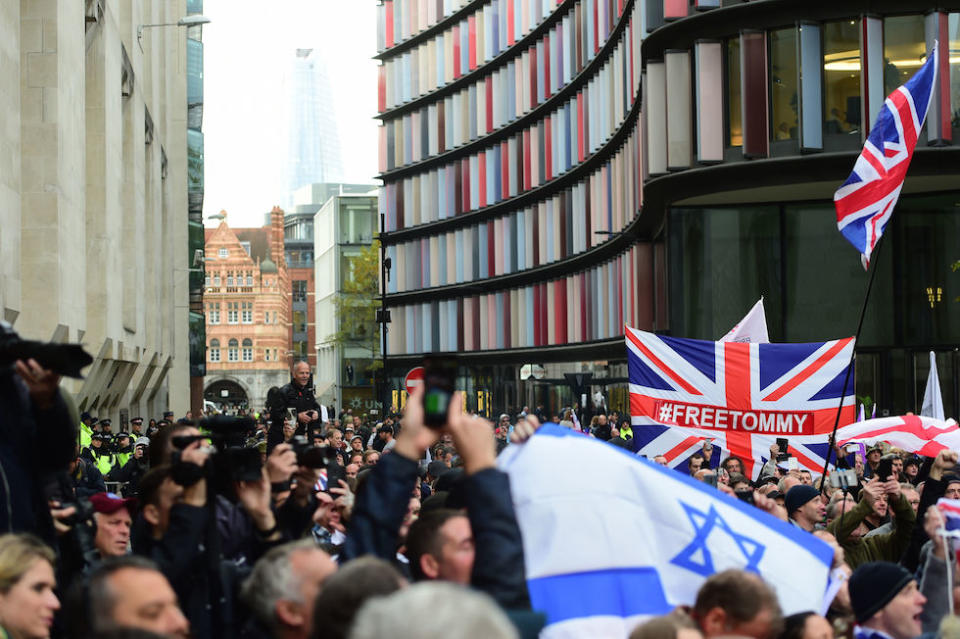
186, 21
383, 317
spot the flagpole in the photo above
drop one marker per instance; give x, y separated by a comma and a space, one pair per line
853, 353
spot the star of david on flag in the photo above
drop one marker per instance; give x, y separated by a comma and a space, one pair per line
865, 201
639, 539
742, 396
696, 556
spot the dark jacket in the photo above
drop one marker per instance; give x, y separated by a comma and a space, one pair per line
28, 454
181, 557
382, 504
301, 398
129, 474
87, 479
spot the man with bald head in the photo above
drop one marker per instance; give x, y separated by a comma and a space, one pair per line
298, 395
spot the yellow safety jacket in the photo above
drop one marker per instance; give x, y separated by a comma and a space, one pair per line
626, 432
85, 433
104, 462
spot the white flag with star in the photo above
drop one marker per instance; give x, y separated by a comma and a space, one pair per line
610, 538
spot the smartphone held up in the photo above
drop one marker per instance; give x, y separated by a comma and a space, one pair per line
439, 383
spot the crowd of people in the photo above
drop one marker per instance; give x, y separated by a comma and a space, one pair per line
287, 525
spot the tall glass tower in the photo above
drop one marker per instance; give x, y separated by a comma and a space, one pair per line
313, 145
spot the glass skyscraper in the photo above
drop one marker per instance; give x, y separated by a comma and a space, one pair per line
313, 145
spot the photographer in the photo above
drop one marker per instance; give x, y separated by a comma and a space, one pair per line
130, 473
30, 398
298, 395
496, 565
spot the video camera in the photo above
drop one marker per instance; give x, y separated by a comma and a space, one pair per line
62, 359
233, 459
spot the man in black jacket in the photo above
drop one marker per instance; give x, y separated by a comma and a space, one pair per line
299, 396
494, 560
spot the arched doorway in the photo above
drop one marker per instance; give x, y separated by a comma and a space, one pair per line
226, 394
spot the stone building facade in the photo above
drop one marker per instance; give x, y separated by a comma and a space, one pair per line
247, 308
93, 193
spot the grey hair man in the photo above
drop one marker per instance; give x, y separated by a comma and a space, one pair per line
284, 585
454, 611
131, 592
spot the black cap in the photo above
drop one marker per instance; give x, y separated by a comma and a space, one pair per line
105, 421
798, 496
168, 413
386, 428
136, 420
102, 437
873, 585
87, 417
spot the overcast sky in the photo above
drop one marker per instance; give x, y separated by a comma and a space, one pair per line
248, 47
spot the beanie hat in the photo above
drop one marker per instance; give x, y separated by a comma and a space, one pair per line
798, 496
873, 585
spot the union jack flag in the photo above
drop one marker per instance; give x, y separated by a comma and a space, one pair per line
865, 201
742, 396
913, 433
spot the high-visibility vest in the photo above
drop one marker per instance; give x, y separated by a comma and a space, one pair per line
85, 433
626, 432
103, 462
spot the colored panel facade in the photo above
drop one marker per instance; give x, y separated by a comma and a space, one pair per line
531, 206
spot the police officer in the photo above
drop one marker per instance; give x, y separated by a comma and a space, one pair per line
105, 427
100, 455
136, 428
87, 422
122, 449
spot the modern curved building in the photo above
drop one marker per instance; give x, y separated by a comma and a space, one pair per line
554, 170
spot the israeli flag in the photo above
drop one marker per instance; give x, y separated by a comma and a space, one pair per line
611, 539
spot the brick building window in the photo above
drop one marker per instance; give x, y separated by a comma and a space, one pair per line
224, 253
232, 312
247, 350
213, 313
216, 281
249, 279
233, 354
214, 350
299, 290
246, 313
299, 321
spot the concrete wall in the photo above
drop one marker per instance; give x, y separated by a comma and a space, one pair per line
93, 226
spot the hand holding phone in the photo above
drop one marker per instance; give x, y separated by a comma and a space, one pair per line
885, 469
439, 380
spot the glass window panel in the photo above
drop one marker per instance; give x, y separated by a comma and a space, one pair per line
194, 72
721, 261
841, 73
784, 98
734, 108
904, 50
823, 272
925, 230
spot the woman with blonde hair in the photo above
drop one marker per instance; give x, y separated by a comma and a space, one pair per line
27, 600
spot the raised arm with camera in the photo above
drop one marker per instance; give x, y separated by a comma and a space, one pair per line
381, 505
